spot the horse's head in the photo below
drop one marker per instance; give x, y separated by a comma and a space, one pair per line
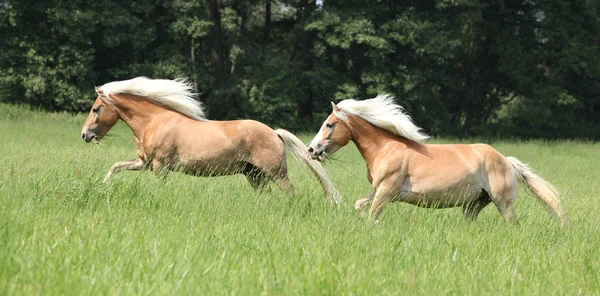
333, 135
102, 117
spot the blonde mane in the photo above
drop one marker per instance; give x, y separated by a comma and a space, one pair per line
176, 94
382, 112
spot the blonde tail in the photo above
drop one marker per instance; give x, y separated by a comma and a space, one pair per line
299, 150
540, 188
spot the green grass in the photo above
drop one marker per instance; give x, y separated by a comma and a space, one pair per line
64, 232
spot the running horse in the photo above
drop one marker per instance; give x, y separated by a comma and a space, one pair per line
171, 133
400, 168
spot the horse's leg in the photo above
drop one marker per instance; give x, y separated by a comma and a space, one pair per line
259, 177
272, 163
256, 177
285, 184
132, 165
383, 195
362, 203
472, 209
503, 192
160, 170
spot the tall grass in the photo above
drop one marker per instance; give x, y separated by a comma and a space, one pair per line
64, 232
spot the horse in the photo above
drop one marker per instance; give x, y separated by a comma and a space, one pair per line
401, 168
171, 133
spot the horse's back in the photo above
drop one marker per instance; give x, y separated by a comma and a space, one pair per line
254, 138
471, 154
455, 163
484, 158
241, 136
208, 137
489, 166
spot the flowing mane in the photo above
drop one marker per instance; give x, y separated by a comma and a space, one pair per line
382, 112
176, 94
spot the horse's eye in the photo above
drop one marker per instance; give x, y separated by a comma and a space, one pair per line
329, 125
96, 109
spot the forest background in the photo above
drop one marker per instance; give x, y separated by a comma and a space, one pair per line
459, 67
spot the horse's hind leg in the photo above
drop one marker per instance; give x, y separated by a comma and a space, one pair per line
259, 179
256, 177
472, 209
504, 193
272, 163
506, 207
132, 165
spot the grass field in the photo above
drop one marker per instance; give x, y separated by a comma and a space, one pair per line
64, 232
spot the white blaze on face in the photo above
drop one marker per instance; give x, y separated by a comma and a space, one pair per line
319, 137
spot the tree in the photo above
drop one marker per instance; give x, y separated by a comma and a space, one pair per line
462, 68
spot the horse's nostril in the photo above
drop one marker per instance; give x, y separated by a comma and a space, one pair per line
83, 136
311, 150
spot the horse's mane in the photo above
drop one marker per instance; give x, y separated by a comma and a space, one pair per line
176, 94
382, 112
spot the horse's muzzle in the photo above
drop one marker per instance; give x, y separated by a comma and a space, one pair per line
319, 156
87, 137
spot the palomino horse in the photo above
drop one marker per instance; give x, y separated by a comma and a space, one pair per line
402, 169
171, 133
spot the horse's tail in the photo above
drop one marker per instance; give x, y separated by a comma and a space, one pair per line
299, 150
540, 188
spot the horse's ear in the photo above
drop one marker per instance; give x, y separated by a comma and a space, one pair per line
99, 91
335, 107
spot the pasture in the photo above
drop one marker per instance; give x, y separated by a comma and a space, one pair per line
64, 232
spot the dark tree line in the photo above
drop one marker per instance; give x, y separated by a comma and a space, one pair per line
460, 67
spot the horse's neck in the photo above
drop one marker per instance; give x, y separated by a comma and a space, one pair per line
370, 139
137, 112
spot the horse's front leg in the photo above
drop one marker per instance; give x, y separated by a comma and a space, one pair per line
383, 195
132, 165
362, 203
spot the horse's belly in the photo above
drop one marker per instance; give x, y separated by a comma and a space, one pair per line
433, 190
211, 167
436, 198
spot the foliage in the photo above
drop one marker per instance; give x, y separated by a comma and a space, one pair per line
458, 67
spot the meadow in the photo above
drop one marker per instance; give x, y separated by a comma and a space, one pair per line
64, 232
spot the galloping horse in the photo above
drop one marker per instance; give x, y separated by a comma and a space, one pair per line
400, 168
171, 133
